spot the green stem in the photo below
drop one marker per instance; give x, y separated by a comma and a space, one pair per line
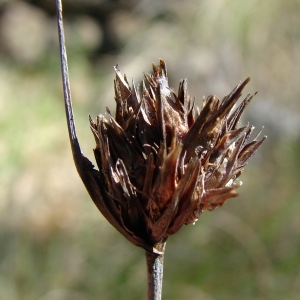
155, 267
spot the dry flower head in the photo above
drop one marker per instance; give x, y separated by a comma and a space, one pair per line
162, 160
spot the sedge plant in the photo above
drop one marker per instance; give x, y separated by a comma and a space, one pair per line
161, 160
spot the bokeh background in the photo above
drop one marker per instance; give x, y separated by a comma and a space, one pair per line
54, 244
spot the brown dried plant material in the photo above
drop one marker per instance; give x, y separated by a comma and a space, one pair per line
162, 160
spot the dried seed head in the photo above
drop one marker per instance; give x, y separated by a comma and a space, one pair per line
162, 161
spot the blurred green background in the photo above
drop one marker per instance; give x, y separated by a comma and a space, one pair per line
54, 244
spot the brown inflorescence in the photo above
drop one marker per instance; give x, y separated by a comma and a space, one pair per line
162, 160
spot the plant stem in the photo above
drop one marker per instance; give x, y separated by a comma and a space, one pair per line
155, 267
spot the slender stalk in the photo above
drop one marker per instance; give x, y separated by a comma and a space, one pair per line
155, 267
66, 83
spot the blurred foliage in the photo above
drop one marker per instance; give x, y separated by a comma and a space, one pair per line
53, 242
